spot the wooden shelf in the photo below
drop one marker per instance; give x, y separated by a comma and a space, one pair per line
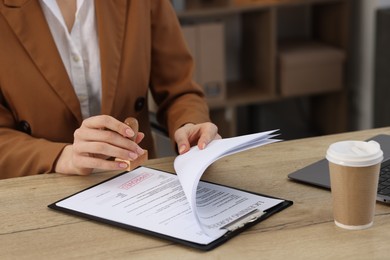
241, 94
199, 8
259, 24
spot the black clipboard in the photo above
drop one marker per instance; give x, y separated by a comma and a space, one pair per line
236, 227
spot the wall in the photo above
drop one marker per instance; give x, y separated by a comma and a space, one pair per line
362, 65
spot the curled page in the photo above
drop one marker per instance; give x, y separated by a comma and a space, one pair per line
190, 167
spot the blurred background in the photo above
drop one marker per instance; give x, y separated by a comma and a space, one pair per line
306, 67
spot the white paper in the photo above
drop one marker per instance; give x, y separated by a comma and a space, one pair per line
175, 205
191, 165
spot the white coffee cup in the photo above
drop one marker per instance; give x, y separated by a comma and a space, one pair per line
354, 171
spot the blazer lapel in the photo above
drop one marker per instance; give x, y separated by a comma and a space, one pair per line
111, 23
34, 33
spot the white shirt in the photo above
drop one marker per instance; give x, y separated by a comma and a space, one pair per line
79, 51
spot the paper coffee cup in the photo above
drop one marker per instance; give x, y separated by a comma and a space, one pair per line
354, 171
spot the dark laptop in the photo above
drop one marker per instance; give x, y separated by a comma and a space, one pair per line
318, 173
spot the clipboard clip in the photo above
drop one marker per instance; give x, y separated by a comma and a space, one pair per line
242, 221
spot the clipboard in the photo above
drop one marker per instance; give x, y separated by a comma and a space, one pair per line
233, 228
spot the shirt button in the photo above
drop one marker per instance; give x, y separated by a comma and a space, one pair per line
76, 58
82, 98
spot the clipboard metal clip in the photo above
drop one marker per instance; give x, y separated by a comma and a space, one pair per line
247, 218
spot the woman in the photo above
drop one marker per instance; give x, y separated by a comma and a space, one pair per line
72, 71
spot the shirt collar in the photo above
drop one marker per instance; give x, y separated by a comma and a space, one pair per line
53, 6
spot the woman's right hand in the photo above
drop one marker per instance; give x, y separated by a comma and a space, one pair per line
98, 139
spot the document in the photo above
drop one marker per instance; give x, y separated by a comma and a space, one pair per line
178, 207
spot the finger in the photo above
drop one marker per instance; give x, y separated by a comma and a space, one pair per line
204, 140
139, 138
86, 164
110, 123
181, 138
209, 132
105, 149
105, 136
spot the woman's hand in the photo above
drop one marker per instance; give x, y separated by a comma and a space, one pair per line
98, 139
195, 134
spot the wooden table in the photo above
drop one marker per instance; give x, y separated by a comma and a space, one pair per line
29, 230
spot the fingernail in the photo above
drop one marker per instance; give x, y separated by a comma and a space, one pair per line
133, 156
203, 146
140, 151
182, 149
123, 165
129, 132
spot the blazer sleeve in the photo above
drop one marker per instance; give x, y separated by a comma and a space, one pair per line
22, 154
179, 98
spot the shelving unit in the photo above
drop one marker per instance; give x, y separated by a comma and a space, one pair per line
260, 26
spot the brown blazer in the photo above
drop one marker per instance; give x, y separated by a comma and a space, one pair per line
141, 47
